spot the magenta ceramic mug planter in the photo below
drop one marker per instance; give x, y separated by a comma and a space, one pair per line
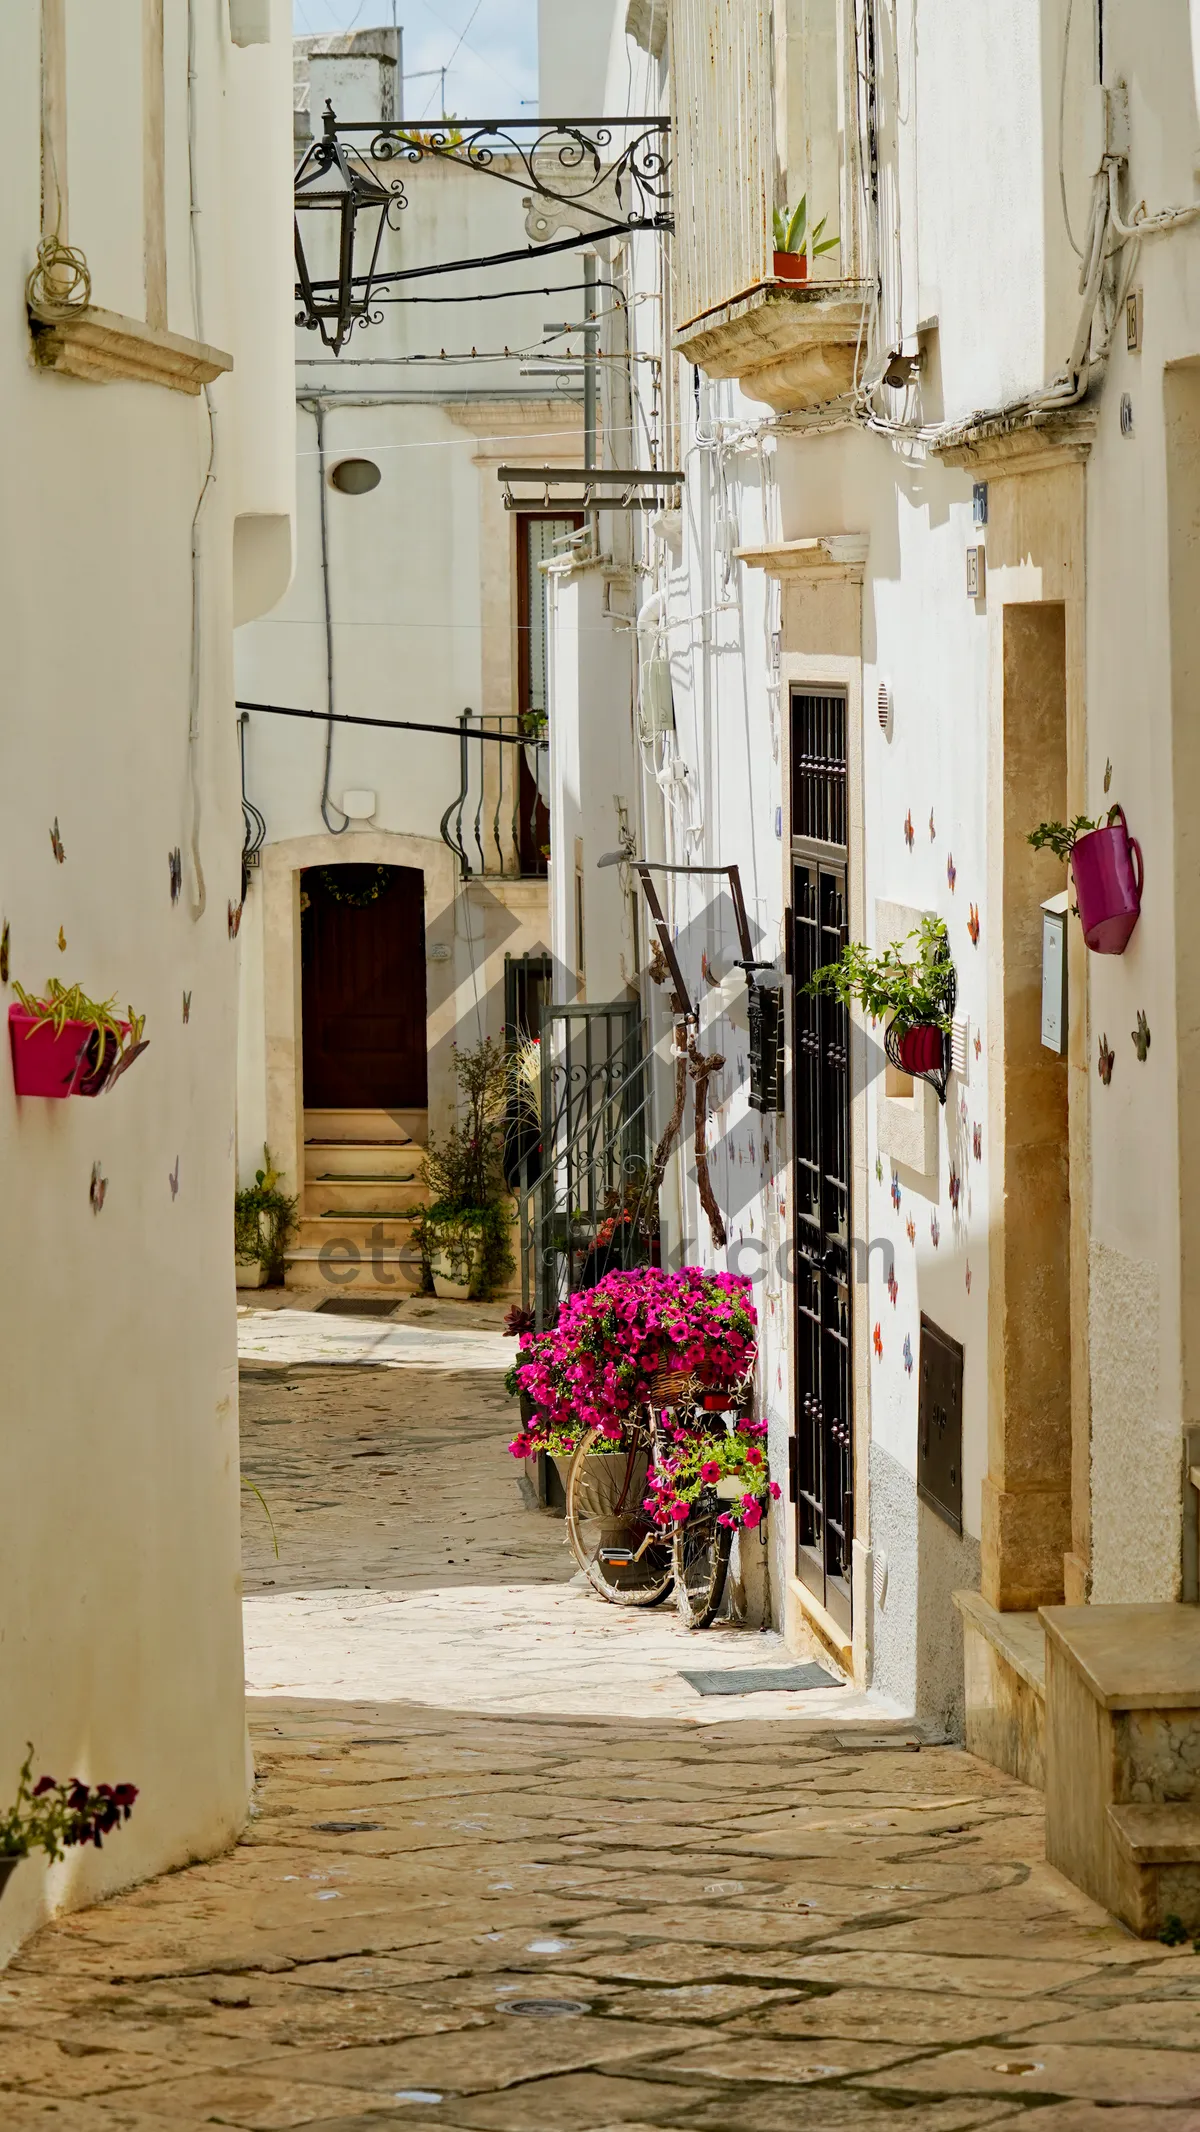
1106, 866
70, 1061
922, 1049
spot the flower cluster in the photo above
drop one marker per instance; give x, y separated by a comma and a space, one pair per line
732, 1457
53, 1817
595, 1368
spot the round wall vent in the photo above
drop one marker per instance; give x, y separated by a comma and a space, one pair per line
885, 706
355, 477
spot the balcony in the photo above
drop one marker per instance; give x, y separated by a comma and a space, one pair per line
792, 345
757, 91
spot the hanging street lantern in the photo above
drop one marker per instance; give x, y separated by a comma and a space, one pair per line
335, 180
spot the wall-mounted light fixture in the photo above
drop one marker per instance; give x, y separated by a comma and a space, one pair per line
336, 180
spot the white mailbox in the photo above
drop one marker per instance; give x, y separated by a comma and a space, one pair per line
1054, 974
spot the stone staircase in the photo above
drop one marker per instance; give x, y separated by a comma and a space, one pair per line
362, 1187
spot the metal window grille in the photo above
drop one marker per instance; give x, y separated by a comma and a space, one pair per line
819, 769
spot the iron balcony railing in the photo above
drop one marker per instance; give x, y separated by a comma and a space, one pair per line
591, 1209
498, 821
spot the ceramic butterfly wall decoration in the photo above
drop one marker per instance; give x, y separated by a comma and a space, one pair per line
968, 1276
935, 1231
932, 830
879, 1169
173, 1179
4, 948
97, 1188
977, 1144
909, 831
895, 1191
175, 863
235, 919
187, 1007
1106, 1062
1141, 1037
62, 941
951, 871
908, 1354
56, 843
978, 1045
877, 1336
973, 924
910, 1230
893, 1286
955, 1189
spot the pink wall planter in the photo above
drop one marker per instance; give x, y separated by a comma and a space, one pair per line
1106, 866
921, 1049
67, 1062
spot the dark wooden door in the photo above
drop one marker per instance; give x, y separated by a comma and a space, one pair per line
362, 933
822, 1476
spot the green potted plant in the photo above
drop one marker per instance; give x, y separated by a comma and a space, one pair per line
264, 1219
914, 993
464, 1235
795, 244
53, 1817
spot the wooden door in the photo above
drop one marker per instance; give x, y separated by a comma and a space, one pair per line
362, 932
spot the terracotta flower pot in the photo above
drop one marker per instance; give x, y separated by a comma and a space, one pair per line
71, 1061
922, 1048
791, 266
1106, 866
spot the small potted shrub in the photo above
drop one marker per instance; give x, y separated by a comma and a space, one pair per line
53, 1817
1106, 867
65, 1044
794, 246
915, 994
264, 1219
464, 1236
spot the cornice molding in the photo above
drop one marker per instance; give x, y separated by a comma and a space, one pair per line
1029, 442
100, 346
827, 556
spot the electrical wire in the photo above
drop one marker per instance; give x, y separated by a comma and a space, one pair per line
1062, 121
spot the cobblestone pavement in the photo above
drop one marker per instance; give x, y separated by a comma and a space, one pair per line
510, 1919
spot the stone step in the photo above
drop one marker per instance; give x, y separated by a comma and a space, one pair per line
1157, 1858
393, 1273
1158, 1835
398, 1127
362, 1158
363, 1195
316, 1230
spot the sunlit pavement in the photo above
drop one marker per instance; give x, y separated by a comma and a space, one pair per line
508, 1869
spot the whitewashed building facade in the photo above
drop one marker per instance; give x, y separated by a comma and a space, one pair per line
932, 582
145, 358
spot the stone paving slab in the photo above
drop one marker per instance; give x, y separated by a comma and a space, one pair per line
778, 1922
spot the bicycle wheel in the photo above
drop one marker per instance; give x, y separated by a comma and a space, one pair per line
619, 1548
701, 1561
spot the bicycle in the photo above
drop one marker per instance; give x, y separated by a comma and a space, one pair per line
624, 1553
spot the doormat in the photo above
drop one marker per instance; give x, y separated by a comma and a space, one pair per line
356, 1306
761, 1680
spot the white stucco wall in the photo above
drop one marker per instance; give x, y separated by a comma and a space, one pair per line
120, 1622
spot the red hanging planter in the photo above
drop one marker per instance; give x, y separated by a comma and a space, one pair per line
922, 1049
1106, 866
790, 266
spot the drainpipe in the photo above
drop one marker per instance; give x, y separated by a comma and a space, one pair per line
337, 830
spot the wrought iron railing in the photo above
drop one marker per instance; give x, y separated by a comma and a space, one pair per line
497, 822
592, 1208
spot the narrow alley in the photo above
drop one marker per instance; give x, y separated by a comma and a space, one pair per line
507, 1868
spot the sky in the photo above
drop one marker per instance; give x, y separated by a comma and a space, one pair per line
490, 47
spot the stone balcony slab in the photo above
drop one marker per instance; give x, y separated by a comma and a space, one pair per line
794, 345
